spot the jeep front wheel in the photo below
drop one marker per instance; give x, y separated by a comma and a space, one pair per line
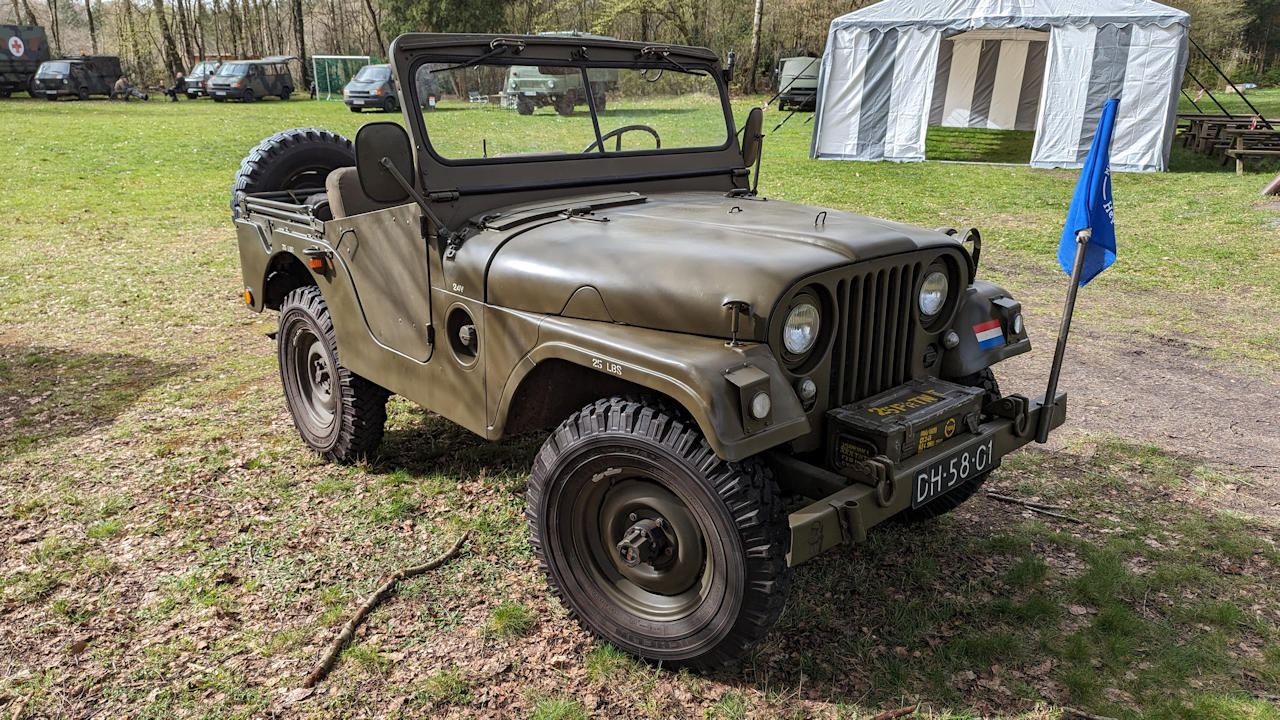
651, 541
338, 413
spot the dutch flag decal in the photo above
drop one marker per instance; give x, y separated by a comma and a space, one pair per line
989, 334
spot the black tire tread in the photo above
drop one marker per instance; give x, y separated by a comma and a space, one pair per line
746, 487
364, 403
255, 166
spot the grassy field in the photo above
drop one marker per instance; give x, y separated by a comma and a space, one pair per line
173, 549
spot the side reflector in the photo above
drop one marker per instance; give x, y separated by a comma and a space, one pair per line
317, 263
248, 297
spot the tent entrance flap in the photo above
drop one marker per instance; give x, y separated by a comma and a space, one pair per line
989, 78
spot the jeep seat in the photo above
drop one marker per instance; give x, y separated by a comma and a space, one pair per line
346, 197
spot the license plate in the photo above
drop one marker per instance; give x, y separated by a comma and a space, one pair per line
529, 93
952, 471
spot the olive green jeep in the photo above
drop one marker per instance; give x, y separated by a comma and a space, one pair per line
703, 358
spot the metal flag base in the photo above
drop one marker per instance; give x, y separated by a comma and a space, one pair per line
1051, 393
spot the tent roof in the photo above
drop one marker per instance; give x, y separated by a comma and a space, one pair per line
962, 15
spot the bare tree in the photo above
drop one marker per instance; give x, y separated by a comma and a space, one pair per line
753, 57
93, 31
169, 48
300, 34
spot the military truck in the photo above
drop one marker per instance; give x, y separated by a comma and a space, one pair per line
25, 47
249, 80
200, 74
80, 76
798, 82
372, 87
699, 354
530, 87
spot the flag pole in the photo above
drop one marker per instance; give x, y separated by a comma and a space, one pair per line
1050, 394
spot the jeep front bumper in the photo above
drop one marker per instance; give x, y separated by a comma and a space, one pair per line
888, 487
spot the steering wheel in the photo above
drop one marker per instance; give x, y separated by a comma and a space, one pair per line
617, 133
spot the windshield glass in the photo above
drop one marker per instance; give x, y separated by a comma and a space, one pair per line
202, 67
50, 69
232, 69
497, 109
373, 73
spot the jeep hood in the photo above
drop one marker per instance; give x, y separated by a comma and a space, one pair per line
670, 262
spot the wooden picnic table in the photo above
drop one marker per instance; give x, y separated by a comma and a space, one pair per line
1205, 134
1245, 143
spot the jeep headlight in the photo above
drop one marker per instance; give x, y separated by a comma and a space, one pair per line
551, 84
800, 331
933, 293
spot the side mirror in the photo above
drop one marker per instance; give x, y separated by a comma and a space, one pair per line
375, 141
752, 137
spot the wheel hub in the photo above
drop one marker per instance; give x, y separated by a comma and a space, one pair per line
646, 542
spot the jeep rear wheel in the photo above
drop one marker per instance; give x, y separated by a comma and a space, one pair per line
652, 542
524, 105
564, 104
295, 159
338, 413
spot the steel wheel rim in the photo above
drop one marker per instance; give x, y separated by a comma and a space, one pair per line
314, 373
665, 590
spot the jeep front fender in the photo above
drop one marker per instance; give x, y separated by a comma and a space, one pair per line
692, 370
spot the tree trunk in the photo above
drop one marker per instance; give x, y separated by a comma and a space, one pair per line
753, 57
186, 33
377, 31
93, 30
54, 29
172, 60
300, 35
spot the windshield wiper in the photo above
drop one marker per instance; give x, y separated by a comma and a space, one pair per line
497, 47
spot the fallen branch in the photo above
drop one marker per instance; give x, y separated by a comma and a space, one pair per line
1042, 508
349, 630
1028, 503
900, 712
1082, 715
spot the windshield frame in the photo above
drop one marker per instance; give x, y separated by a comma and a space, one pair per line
383, 70
447, 60
48, 67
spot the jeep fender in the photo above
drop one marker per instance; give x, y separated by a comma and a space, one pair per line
706, 376
981, 303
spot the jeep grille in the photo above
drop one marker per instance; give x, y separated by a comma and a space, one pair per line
873, 341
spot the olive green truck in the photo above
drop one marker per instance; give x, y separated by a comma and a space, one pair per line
702, 357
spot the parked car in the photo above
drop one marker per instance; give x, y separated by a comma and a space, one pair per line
694, 351
372, 87
80, 77
535, 86
798, 82
249, 80
25, 47
199, 76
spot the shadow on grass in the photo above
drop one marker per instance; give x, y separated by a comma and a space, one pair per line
1152, 607
979, 145
48, 394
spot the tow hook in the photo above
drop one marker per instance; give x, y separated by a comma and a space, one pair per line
1013, 407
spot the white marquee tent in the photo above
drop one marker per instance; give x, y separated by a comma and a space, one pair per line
895, 68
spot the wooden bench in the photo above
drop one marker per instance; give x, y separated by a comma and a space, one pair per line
1246, 144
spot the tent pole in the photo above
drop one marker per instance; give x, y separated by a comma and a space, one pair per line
1255, 110
1210, 94
1193, 101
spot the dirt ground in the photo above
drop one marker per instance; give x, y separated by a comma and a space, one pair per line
1167, 392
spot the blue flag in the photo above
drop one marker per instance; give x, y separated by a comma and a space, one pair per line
1091, 206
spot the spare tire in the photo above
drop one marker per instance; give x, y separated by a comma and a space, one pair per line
295, 159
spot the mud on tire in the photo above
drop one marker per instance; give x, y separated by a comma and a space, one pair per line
338, 413
291, 160
717, 582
